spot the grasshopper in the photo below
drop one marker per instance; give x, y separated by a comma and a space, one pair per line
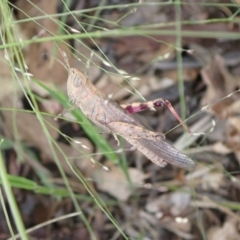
118, 120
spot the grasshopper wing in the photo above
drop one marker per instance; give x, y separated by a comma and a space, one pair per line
162, 150
151, 144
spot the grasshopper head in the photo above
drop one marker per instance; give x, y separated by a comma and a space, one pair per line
75, 84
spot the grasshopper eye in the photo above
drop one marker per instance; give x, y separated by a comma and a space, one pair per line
77, 81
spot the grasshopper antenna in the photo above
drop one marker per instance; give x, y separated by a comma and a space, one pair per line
88, 64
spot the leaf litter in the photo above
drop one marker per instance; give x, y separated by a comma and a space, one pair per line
167, 208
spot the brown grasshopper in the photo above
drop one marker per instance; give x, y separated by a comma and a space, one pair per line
118, 120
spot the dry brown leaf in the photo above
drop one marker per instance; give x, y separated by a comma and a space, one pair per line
237, 154
50, 106
40, 57
180, 201
176, 203
233, 128
221, 148
70, 156
6, 81
81, 149
234, 122
28, 125
115, 181
213, 181
232, 140
159, 204
234, 108
179, 226
220, 83
29, 130
229, 231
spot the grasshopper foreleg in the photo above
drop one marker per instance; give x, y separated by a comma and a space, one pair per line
131, 149
64, 112
116, 138
159, 102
